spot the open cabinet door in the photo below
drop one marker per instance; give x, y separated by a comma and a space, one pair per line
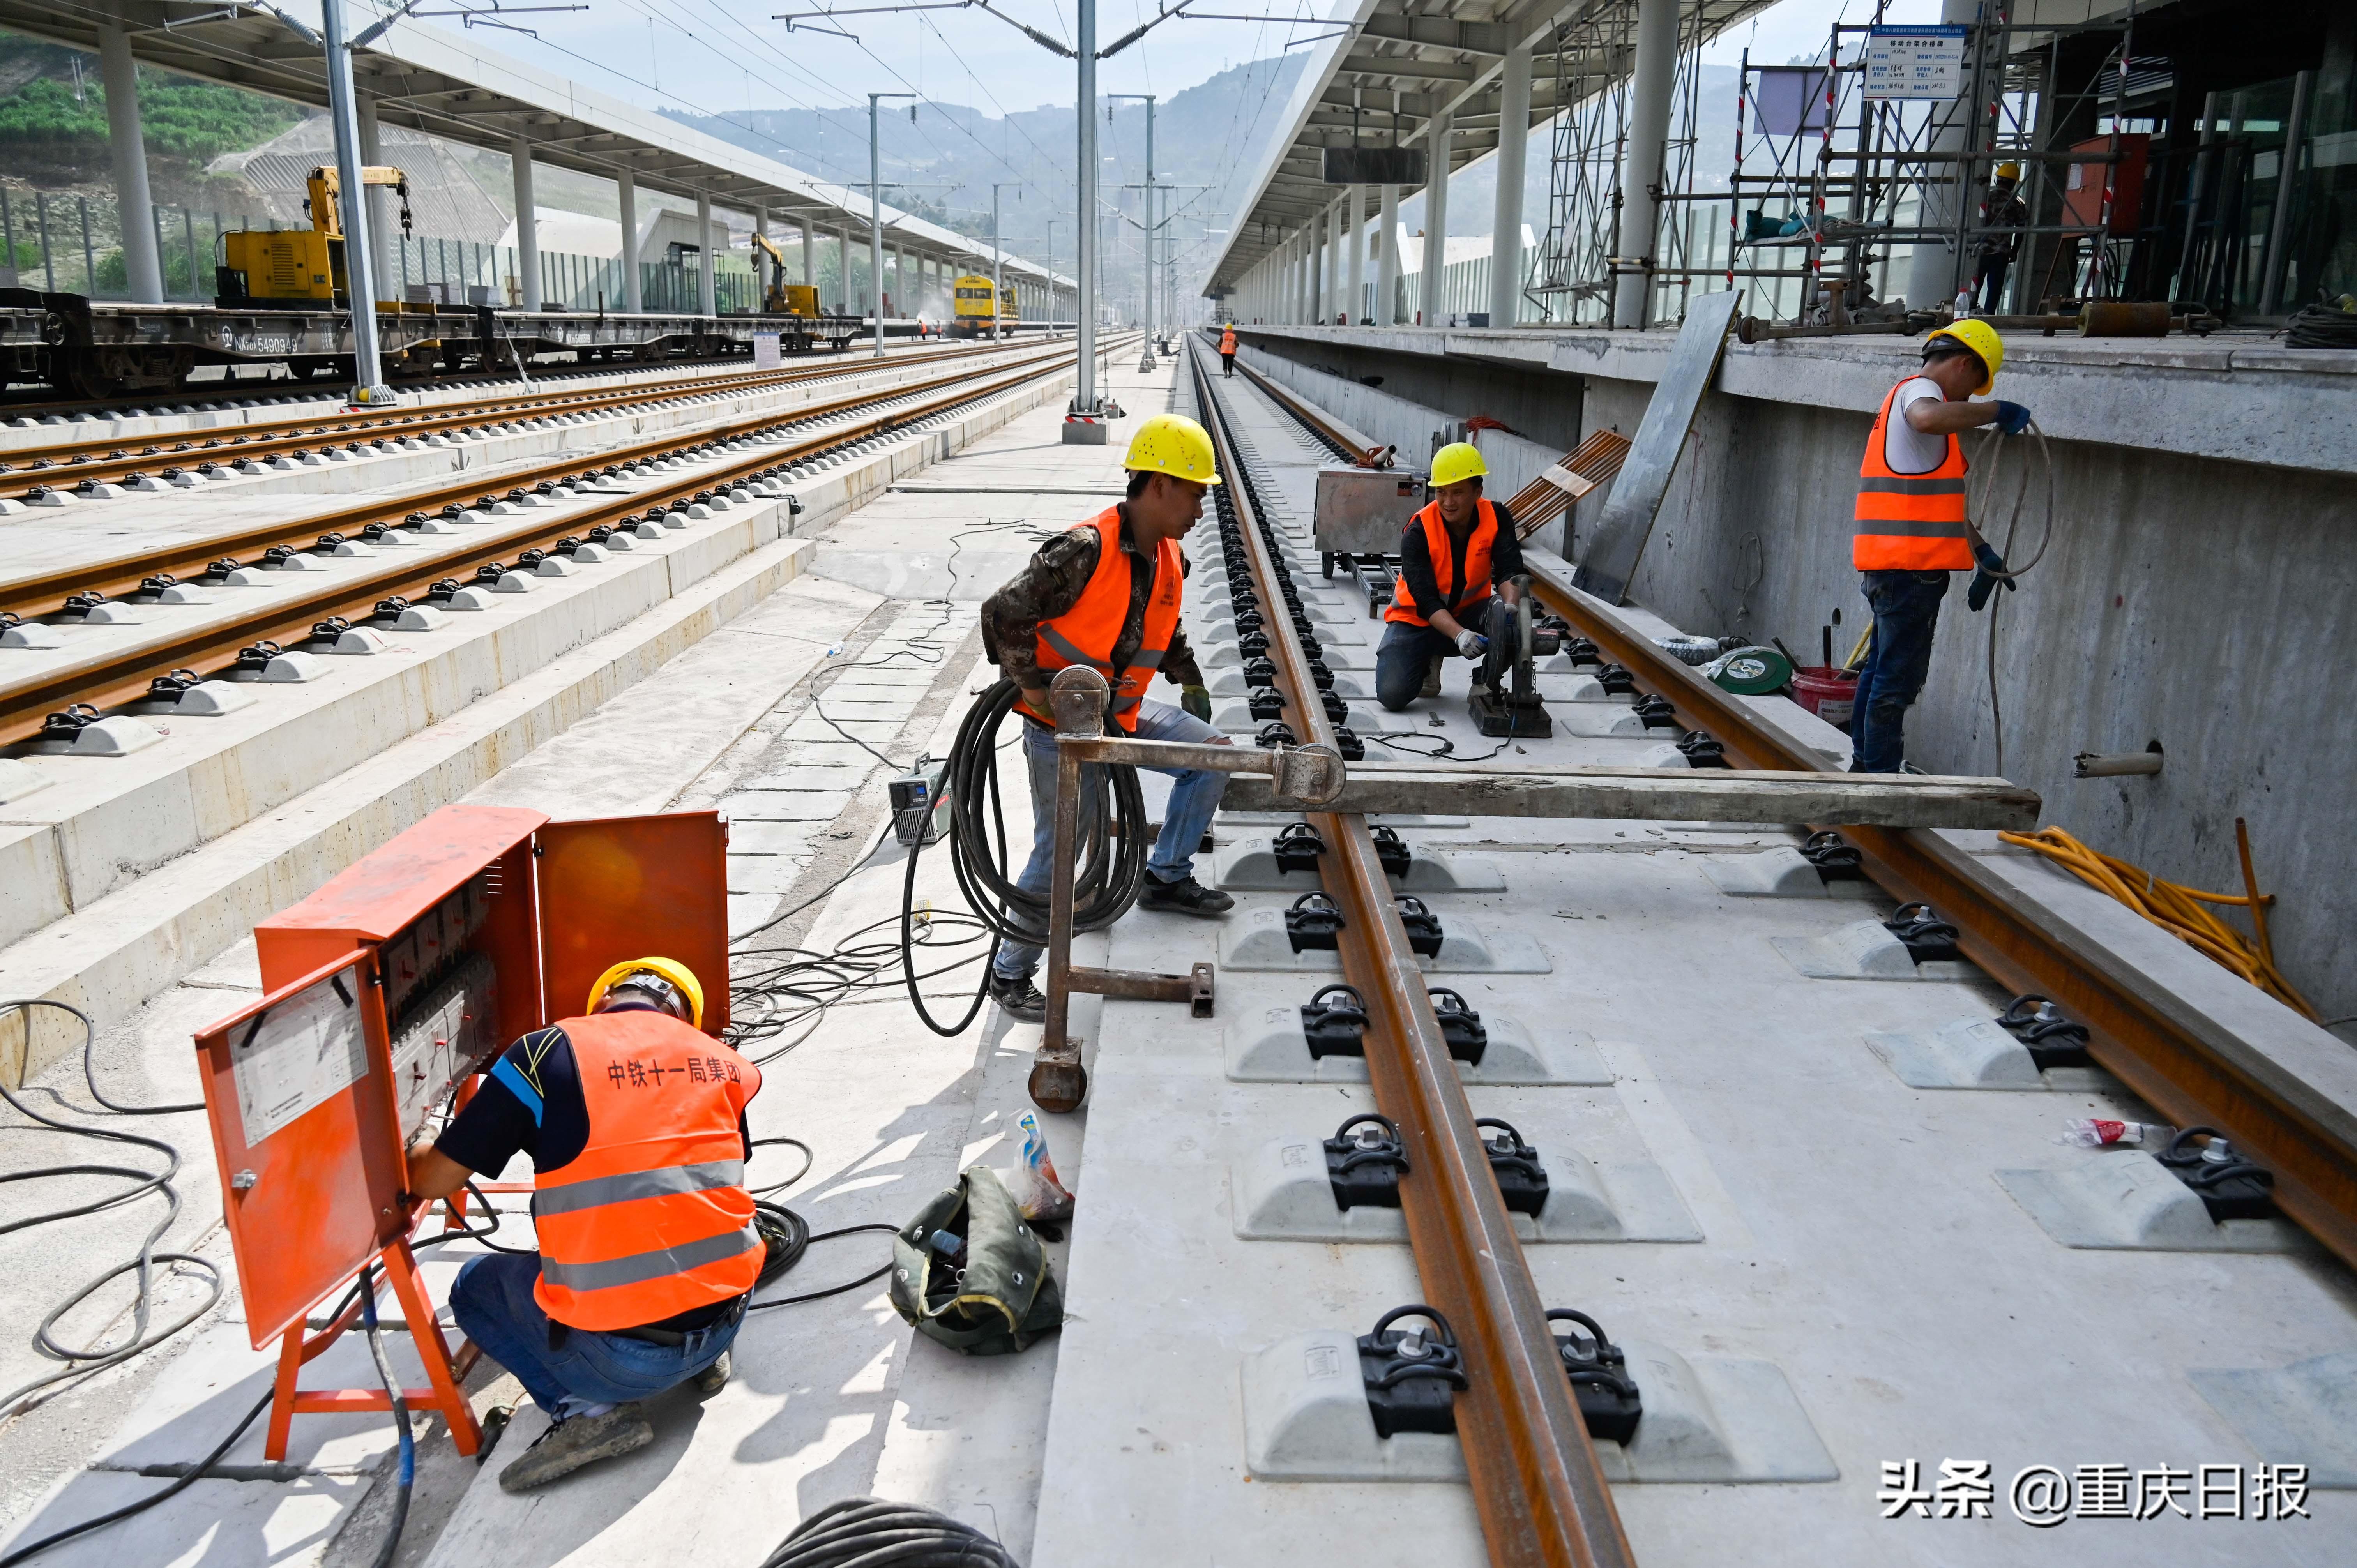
299, 1090
622, 887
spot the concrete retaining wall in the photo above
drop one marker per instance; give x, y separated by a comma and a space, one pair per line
2187, 599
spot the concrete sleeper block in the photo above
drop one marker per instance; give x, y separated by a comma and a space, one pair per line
1975, 1053
2126, 1200
116, 735
1283, 1194
294, 668
1249, 865
1865, 951
2304, 1414
210, 699
1258, 942
1780, 873
1271, 1048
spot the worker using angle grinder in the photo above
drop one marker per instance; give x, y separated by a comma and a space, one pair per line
1106, 594
1454, 554
1910, 529
634, 1119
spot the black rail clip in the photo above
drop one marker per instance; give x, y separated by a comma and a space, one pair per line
1521, 1180
255, 657
1335, 1028
1835, 858
1928, 938
1460, 1027
1314, 921
1658, 711
1365, 1169
1701, 751
1391, 851
1275, 734
2230, 1187
1615, 679
1298, 847
1347, 741
1422, 925
1413, 1374
1598, 1372
1260, 672
2051, 1038
1579, 650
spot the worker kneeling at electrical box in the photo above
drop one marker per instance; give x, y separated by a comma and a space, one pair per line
635, 1123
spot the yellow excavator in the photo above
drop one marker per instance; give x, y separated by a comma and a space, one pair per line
299, 266
783, 298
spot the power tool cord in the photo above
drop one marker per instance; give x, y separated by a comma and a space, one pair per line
406, 1477
868, 1532
1992, 449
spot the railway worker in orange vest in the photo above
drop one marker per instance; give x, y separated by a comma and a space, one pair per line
1228, 350
1107, 594
1453, 554
634, 1121
1910, 529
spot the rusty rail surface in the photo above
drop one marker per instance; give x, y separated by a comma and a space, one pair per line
1536, 1482
109, 458
2180, 1061
121, 676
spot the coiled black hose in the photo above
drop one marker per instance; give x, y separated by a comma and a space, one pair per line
866, 1533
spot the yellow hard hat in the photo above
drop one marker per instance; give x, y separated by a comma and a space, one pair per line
2009, 171
1982, 339
1174, 445
671, 970
1456, 462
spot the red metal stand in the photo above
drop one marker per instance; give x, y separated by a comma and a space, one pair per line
444, 1372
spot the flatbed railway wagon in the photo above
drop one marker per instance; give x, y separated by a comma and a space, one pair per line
87, 348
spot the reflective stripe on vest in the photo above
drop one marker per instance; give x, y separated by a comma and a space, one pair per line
651, 1218
1473, 590
1086, 633
1909, 522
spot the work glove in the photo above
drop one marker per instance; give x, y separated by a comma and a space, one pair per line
1197, 700
1471, 643
1991, 573
2011, 417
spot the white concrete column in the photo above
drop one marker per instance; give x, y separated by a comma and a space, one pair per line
527, 224
1435, 218
1506, 230
1387, 261
706, 295
144, 267
1654, 81
1936, 271
626, 187
1357, 219
384, 218
809, 253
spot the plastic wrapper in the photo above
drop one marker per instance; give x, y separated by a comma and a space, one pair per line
1038, 1192
2086, 1132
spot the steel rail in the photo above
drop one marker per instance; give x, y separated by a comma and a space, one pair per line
1536, 1482
44, 593
105, 459
2181, 1060
117, 677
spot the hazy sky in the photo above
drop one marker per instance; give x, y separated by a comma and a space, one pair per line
719, 58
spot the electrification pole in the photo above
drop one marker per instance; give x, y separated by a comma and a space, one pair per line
360, 260
997, 255
875, 216
1086, 431
1145, 359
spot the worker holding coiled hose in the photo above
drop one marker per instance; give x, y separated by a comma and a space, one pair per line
1105, 594
1911, 530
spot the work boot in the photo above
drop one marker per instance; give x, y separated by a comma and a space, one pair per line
713, 1378
580, 1440
1019, 998
1431, 678
1184, 896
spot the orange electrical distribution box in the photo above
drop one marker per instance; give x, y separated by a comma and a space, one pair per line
383, 992
2107, 196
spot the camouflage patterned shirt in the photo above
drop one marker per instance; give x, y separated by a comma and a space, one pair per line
1050, 584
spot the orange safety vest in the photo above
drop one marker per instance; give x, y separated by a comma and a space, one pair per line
1228, 341
1085, 633
651, 1218
1910, 522
1475, 585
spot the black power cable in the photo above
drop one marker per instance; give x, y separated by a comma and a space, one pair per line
868, 1532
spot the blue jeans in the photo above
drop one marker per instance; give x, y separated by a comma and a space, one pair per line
1906, 608
1402, 657
493, 1303
1194, 795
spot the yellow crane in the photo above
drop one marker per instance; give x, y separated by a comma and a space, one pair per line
783, 298
299, 265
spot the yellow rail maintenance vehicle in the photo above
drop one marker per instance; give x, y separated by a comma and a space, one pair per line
980, 312
299, 266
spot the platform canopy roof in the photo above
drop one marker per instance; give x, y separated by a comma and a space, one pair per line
1393, 65
450, 85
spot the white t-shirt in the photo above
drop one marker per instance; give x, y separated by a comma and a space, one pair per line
1906, 449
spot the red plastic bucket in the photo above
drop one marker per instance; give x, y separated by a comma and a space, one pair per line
1825, 692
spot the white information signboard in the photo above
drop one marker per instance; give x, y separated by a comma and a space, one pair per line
766, 356
1915, 62
298, 1054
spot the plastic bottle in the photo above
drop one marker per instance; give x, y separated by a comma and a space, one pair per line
2094, 1132
1964, 303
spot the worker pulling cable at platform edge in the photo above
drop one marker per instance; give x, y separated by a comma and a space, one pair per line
1909, 529
1106, 594
634, 1121
1453, 554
